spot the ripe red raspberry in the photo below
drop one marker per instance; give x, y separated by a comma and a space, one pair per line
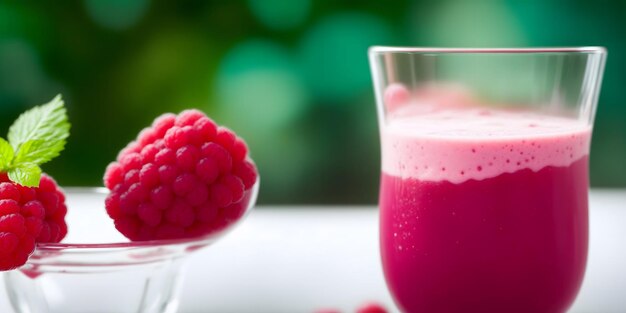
371, 307
182, 177
29, 215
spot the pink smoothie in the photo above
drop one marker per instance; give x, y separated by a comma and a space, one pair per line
484, 211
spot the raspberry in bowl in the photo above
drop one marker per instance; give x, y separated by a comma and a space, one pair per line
178, 188
28, 216
182, 177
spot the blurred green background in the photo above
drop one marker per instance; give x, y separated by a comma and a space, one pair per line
291, 77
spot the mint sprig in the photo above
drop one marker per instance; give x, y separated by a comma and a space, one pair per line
36, 137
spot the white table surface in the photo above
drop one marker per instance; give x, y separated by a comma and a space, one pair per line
303, 258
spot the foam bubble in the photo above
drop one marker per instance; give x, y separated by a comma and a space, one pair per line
462, 144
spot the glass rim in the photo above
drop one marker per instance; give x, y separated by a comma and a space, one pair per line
523, 50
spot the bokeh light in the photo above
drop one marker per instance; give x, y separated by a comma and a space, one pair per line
280, 14
259, 86
22, 79
260, 94
449, 23
116, 14
291, 77
334, 54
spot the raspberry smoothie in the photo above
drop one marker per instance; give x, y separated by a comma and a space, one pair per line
484, 210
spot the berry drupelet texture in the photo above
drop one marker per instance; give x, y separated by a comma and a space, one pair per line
29, 215
182, 177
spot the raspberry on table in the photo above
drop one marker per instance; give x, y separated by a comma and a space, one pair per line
371, 307
184, 176
29, 215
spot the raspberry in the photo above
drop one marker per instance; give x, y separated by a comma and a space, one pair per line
396, 95
162, 123
9, 191
149, 152
167, 174
207, 170
188, 118
371, 307
149, 175
164, 157
239, 150
114, 174
150, 214
182, 177
219, 154
225, 138
247, 172
29, 215
206, 128
147, 136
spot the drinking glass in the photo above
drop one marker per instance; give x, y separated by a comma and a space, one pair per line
96, 269
483, 192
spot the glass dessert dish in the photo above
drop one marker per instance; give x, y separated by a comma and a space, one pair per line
483, 196
96, 269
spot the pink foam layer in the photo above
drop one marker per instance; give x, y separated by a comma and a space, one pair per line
462, 144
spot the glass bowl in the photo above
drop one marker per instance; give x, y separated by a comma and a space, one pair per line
96, 269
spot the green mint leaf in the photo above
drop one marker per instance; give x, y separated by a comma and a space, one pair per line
26, 174
6, 155
39, 134
38, 151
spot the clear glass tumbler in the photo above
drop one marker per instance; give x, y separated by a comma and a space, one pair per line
96, 269
483, 194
